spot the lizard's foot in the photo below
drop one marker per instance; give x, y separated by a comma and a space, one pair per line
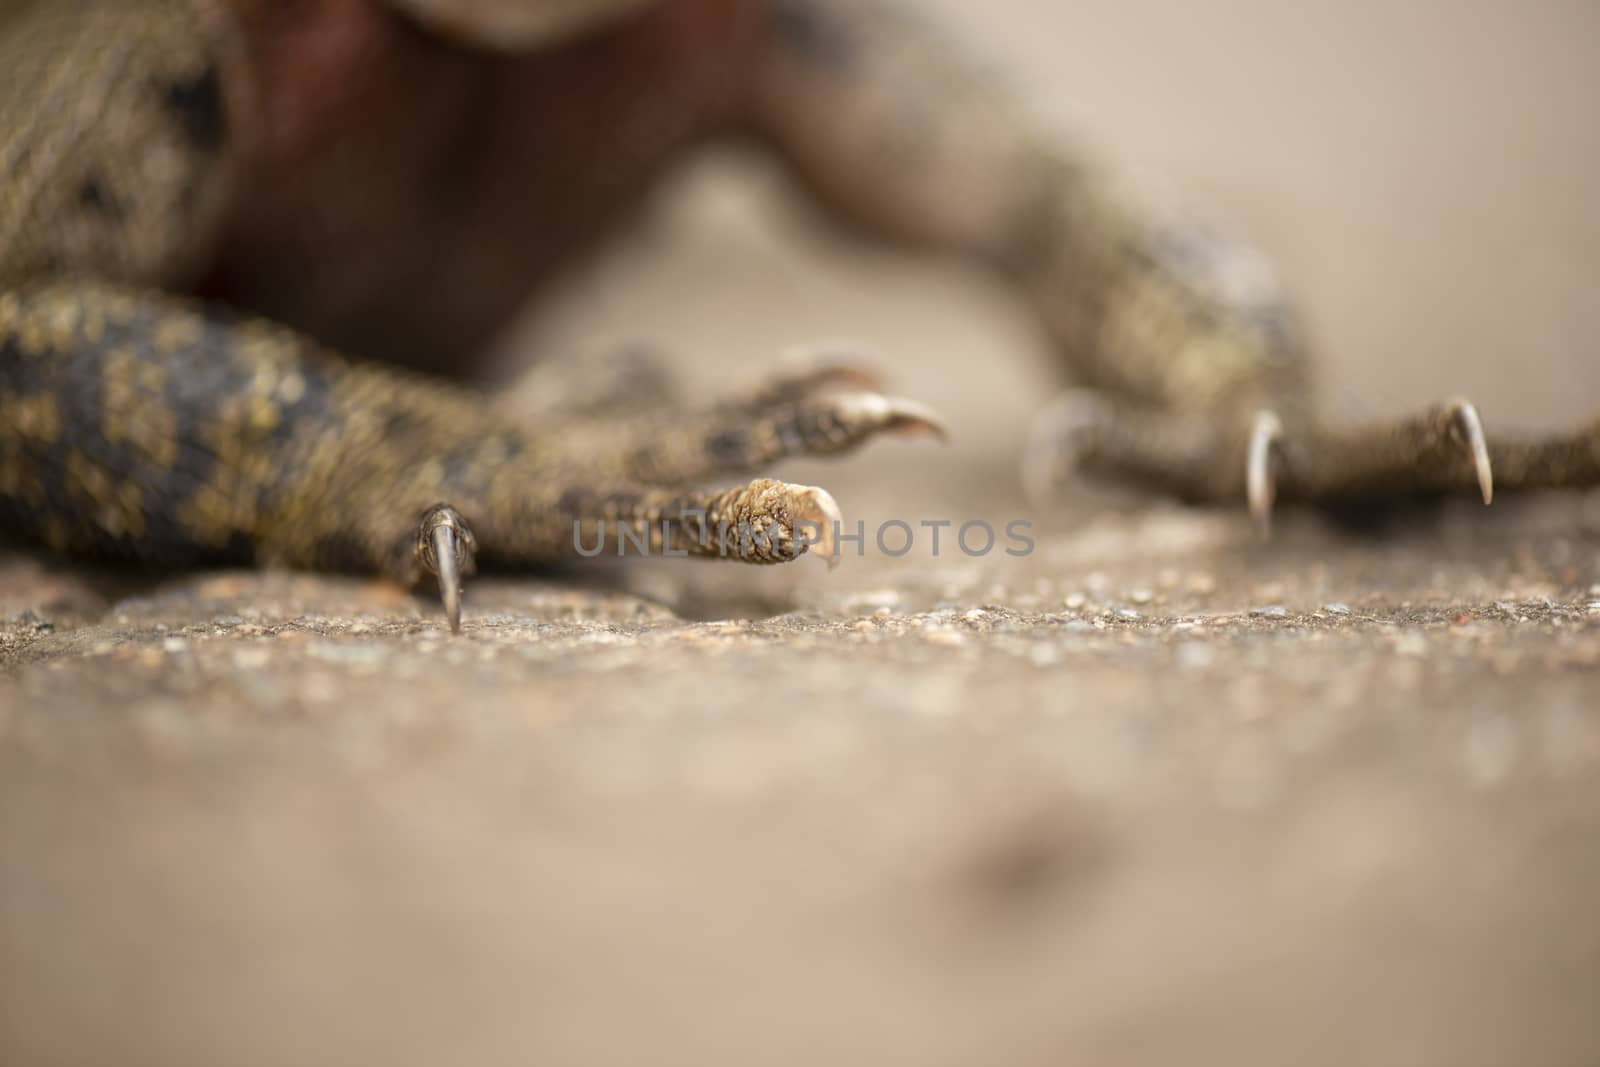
447, 549
764, 522
1439, 451
1274, 456
620, 484
225, 440
819, 409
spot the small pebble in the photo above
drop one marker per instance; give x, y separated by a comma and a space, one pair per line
1271, 611
1336, 609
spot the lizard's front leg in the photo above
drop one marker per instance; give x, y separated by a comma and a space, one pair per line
134, 424
1192, 373
138, 425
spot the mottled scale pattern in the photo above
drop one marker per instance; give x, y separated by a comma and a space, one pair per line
146, 428
903, 132
163, 433
112, 134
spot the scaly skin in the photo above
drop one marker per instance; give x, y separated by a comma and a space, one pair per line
142, 424
226, 225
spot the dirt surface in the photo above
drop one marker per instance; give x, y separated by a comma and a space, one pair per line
1152, 792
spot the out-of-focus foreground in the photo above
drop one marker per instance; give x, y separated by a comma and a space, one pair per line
1155, 792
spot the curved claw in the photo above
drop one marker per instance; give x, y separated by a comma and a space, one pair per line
1470, 425
815, 509
446, 548
895, 415
1260, 477
911, 419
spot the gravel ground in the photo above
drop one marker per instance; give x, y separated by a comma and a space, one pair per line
1155, 792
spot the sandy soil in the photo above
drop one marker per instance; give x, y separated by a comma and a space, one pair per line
1154, 793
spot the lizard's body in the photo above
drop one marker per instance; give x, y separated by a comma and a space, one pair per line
371, 189
404, 195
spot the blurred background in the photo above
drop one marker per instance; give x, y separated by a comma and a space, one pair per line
1422, 173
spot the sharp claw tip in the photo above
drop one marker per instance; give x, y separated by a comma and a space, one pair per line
1470, 423
821, 511
446, 549
904, 417
449, 575
1260, 487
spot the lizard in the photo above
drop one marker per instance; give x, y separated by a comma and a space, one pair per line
252, 251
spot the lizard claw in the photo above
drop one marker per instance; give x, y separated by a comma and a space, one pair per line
1466, 421
1260, 476
905, 418
814, 509
447, 549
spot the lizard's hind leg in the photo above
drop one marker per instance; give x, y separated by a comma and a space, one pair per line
1266, 458
1197, 380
